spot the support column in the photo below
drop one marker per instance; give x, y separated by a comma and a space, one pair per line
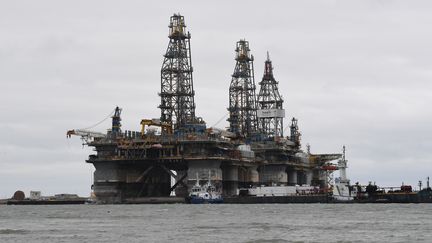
106, 184
230, 178
302, 177
309, 176
292, 177
273, 174
253, 176
248, 176
242, 177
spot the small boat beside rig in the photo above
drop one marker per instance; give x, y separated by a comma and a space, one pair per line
344, 192
204, 194
375, 194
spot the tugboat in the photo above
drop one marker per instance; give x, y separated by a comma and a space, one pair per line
204, 194
342, 190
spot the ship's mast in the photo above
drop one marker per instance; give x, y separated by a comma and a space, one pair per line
342, 165
242, 101
270, 111
197, 180
177, 93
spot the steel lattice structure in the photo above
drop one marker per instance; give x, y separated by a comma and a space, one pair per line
177, 93
242, 101
295, 133
270, 111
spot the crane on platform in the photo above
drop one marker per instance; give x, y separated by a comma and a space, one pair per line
88, 135
166, 127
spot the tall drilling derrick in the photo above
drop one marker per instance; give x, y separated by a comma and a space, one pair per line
177, 93
270, 111
242, 101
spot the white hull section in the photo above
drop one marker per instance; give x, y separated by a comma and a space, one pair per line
280, 191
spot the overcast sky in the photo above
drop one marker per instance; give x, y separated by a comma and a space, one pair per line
357, 73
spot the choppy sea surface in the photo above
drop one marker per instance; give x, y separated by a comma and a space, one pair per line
217, 223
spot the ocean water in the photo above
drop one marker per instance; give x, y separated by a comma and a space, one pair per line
217, 223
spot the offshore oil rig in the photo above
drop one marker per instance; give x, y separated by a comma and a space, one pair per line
169, 154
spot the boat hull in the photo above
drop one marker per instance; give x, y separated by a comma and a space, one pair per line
278, 199
197, 200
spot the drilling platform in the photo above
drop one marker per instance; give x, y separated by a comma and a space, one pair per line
170, 153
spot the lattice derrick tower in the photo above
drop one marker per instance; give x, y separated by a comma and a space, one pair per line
270, 104
177, 93
242, 100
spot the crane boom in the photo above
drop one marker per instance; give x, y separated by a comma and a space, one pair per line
85, 133
88, 135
